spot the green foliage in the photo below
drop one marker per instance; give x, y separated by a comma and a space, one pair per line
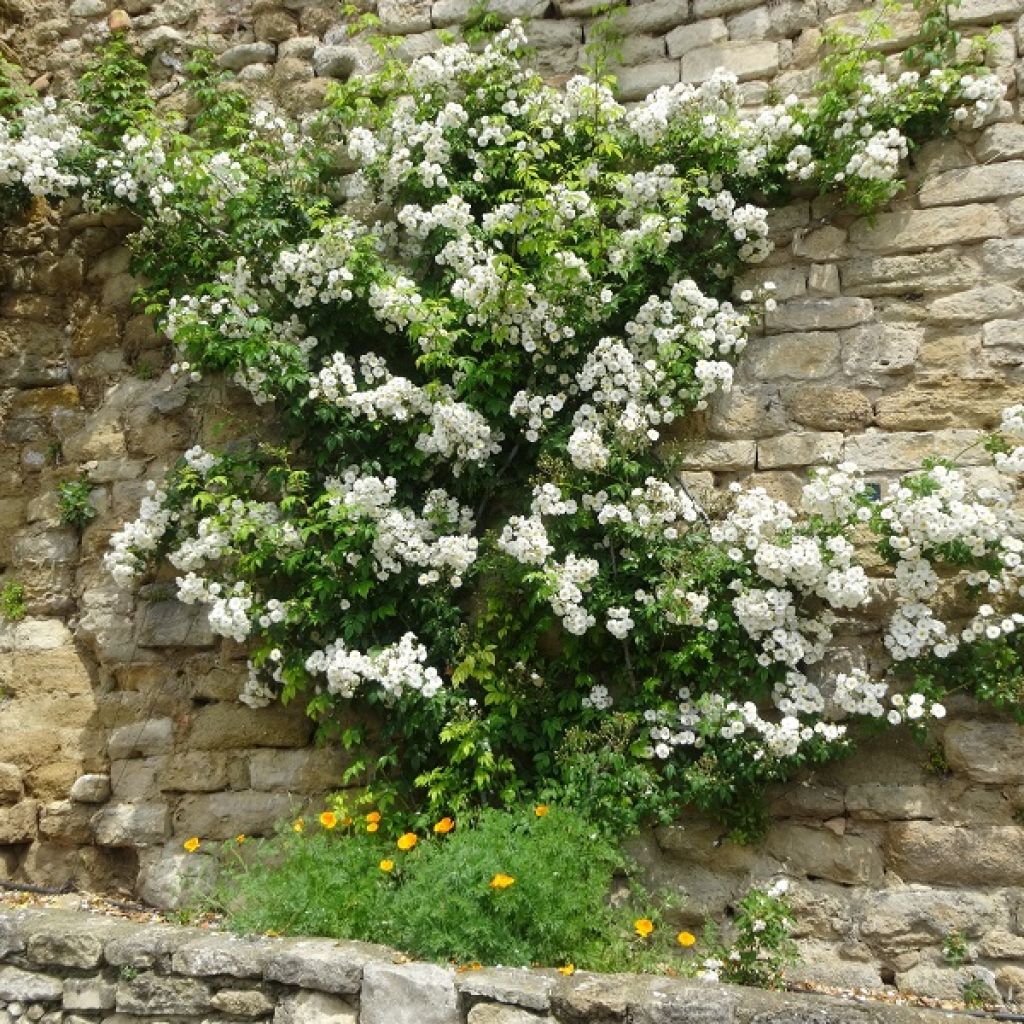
761, 947
481, 23
14, 92
605, 37
13, 606
437, 901
976, 994
74, 503
955, 950
115, 91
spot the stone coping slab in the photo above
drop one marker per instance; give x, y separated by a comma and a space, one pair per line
62, 961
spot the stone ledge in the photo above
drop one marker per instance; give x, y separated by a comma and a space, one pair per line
151, 969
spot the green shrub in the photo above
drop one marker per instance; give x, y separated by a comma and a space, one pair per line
449, 897
74, 503
13, 606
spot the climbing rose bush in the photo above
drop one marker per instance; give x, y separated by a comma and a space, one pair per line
481, 311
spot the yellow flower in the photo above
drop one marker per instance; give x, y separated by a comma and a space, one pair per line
541, 810
444, 826
686, 938
328, 819
240, 838
299, 825
372, 827
373, 817
501, 881
643, 927
191, 845
387, 865
567, 969
408, 841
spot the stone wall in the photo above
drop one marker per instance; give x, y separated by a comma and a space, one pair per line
896, 338
65, 968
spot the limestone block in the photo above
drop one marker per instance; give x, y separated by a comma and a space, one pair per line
823, 279
927, 229
1004, 256
226, 954
696, 35
828, 408
985, 12
945, 982
237, 57
91, 789
820, 966
990, 752
193, 772
244, 1002
723, 456
651, 17
11, 787
807, 448
511, 985
996, 301
169, 879
225, 726
136, 779
635, 83
944, 402
65, 821
819, 314
226, 815
1003, 341
742, 413
149, 993
914, 916
1001, 141
142, 739
315, 1008
874, 353
778, 21
985, 855
745, 60
400, 17
324, 966
274, 26
711, 8
811, 851
173, 624
494, 1013
28, 986
892, 802
88, 994
71, 940
800, 356
131, 825
878, 452
143, 948
824, 243
297, 771
18, 822
408, 994
640, 50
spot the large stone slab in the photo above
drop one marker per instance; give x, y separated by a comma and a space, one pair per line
927, 229
991, 752
981, 855
408, 994
324, 966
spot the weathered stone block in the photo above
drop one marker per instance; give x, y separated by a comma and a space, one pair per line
991, 752
977, 305
314, 1008
516, 986
974, 184
892, 802
695, 36
323, 965
28, 986
907, 918
337, 61
1004, 256
800, 449
141, 739
210, 955
149, 994
168, 880
88, 994
877, 452
91, 789
985, 12
226, 815
408, 994
745, 60
819, 314
237, 57
173, 624
1002, 141
131, 825
927, 229
196, 772
494, 1013
802, 356
135, 780
637, 82
828, 408
985, 855
234, 727
18, 823
243, 1002
65, 821
724, 456
849, 859
297, 771
11, 787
